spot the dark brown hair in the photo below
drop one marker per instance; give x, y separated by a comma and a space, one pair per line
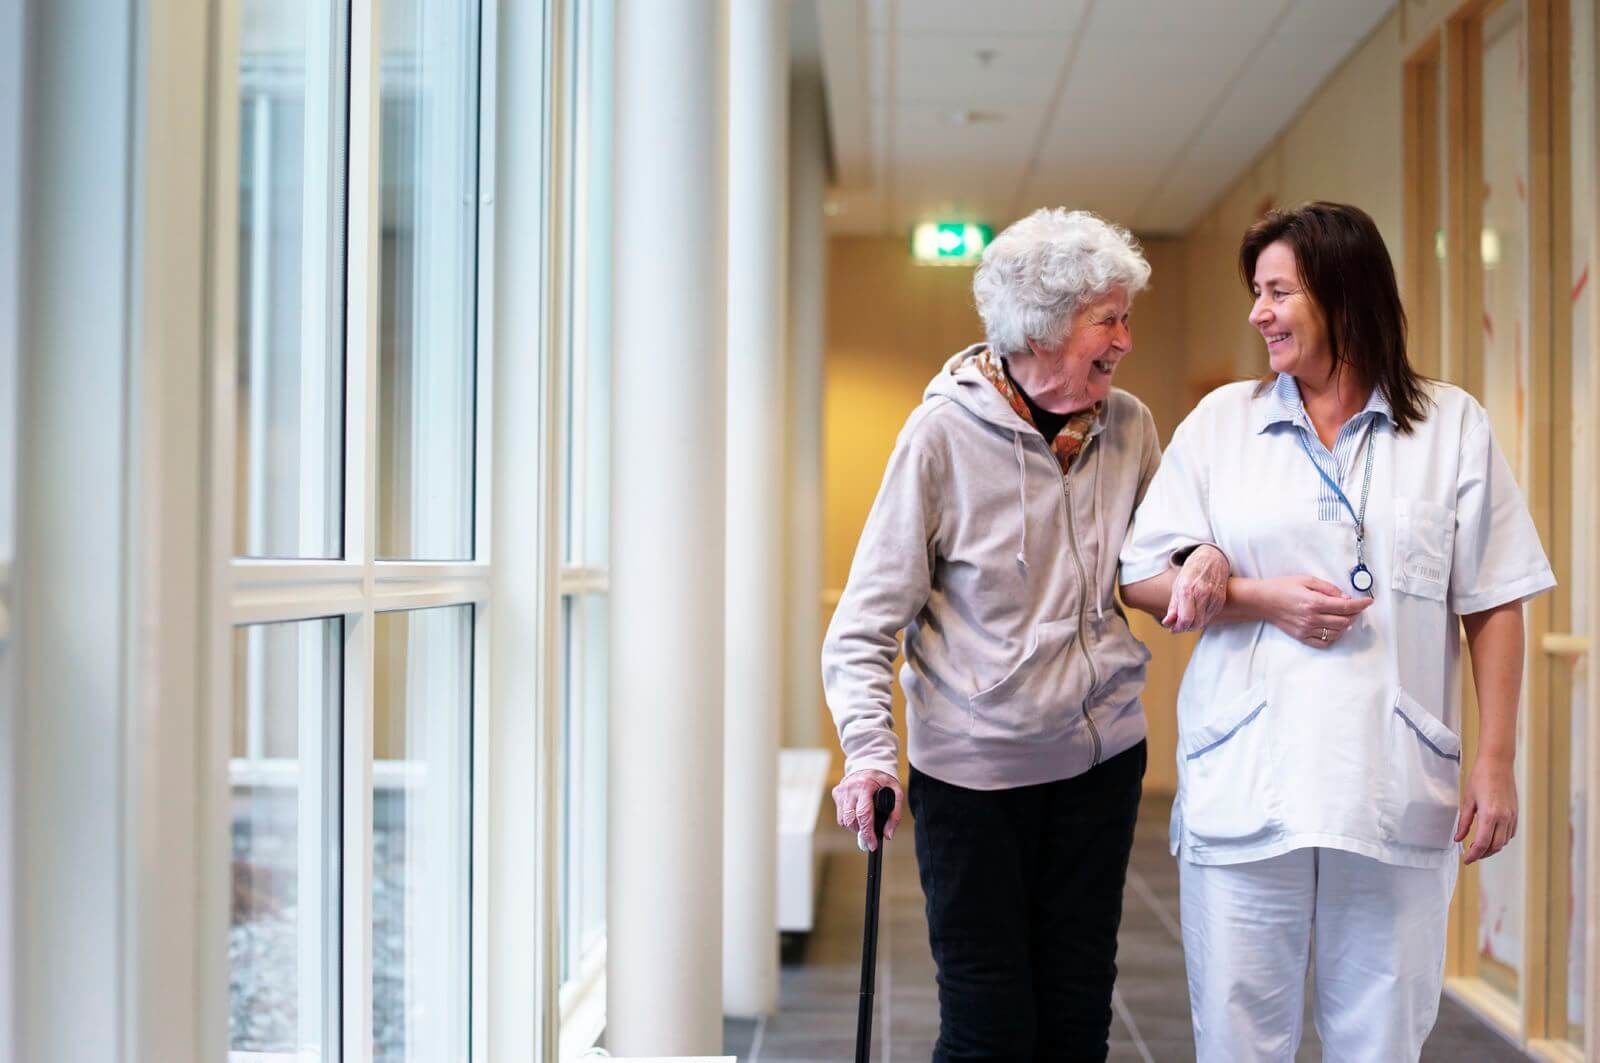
1345, 270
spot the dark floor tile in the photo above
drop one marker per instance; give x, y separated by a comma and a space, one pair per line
738, 1037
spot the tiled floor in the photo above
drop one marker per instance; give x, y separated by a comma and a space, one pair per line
818, 994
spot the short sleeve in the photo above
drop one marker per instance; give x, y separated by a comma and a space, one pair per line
1175, 511
1497, 557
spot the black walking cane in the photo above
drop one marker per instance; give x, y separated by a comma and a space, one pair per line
882, 806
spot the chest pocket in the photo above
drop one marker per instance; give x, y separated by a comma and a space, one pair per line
1424, 537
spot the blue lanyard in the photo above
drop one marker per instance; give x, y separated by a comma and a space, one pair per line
1359, 577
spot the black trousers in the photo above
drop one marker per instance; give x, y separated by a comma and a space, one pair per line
1024, 896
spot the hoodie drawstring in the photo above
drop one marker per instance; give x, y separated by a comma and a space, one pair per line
1022, 496
1099, 527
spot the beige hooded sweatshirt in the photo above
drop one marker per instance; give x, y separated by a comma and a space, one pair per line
1020, 667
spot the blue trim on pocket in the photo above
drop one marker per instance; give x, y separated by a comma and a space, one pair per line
1231, 732
1426, 740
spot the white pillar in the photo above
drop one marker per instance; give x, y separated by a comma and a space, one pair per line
808, 179
664, 917
758, 79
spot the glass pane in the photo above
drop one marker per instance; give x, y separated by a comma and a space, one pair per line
585, 621
283, 992
421, 834
596, 240
1583, 475
587, 410
427, 301
288, 502
1505, 384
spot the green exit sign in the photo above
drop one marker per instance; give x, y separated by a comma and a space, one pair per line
947, 243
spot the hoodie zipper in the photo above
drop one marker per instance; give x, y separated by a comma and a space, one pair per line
1083, 616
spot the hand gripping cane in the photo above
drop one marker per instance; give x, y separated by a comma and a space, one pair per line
882, 806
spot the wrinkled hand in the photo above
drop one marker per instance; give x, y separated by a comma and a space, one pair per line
1311, 610
1489, 801
1199, 591
852, 800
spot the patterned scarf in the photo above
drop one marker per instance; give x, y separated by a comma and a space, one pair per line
1074, 435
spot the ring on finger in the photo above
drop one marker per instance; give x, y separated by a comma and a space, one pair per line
1324, 635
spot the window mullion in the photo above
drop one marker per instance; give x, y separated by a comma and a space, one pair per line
363, 273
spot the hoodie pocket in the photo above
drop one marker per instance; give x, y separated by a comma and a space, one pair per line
1424, 769
1042, 696
1226, 775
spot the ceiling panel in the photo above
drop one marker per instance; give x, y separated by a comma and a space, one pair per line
1174, 209
1144, 98
1247, 19
926, 138
1352, 19
967, 16
1115, 201
968, 109
976, 71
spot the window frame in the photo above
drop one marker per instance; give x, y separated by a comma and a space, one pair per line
580, 577
357, 587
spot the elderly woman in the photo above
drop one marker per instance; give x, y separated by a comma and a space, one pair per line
1369, 516
993, 544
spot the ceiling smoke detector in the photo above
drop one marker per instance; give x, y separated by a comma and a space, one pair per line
965, 116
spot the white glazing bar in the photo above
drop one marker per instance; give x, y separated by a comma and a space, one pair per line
314, 673
509, 999
399, 572
363, 271
255, 692
259, 356
356, 838
319, 243
215, 805
250, 572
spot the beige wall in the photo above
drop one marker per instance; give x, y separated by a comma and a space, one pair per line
891, 325
1344, 145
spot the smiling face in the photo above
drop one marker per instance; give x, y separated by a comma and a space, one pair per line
1076, 373
1287, 317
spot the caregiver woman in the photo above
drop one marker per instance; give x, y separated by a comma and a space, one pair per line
1364, 509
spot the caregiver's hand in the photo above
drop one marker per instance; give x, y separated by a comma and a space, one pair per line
852, 800
1199, 590
1311, 610
1488, 808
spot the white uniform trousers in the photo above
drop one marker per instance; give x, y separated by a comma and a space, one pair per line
1378, 935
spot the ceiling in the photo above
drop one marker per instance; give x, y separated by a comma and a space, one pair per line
1142, 110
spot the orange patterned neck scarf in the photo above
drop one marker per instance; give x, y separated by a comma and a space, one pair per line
1074, 435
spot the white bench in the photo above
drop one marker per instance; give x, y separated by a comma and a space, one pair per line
802, 785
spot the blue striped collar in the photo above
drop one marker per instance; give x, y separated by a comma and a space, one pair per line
1282, 403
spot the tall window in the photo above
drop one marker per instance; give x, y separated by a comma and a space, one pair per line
360, 582
585, 512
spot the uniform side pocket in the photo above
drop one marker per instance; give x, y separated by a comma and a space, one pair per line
1229, 795
1425, 769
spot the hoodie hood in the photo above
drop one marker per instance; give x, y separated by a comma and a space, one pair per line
963, 382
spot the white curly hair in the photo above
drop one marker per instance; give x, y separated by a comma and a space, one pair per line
1038, 272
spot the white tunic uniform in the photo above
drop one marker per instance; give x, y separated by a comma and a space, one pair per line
1354, 747
1318, 788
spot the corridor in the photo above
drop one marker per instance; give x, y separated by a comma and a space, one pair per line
816, 1016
